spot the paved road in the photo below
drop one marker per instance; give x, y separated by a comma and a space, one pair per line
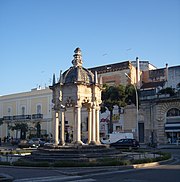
166, 173
163, 173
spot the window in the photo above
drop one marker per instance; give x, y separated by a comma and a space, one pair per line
38, 109
173, 112
23, 110
9, 111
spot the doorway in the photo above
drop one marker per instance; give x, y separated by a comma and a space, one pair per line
141, 132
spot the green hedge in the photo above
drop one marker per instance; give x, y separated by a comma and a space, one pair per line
94, 162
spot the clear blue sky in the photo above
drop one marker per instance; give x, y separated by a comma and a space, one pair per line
38, 37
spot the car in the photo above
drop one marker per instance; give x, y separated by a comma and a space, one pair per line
15, 141
37, 141
127, 143
24, 144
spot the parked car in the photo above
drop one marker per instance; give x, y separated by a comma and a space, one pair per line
15, 141
37, 141
128, 143
26, 144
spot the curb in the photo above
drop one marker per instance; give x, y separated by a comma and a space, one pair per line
92, 170
5, 177
151, 164
146, 165
117, 168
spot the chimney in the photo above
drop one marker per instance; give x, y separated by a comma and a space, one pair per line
166, 73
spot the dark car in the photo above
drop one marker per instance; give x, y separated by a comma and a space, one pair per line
15, 141
27, 144
126, 143
24, 144
37, 141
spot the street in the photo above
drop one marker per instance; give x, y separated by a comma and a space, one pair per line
165, 173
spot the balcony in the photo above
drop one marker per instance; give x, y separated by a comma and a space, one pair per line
37, 116
22, 117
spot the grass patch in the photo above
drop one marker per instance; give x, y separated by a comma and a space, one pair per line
31, 164
6, 152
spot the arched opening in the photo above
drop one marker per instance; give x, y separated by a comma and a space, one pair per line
172, 125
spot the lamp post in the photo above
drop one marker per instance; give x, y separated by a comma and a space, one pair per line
135, 88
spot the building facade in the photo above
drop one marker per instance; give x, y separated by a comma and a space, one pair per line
158, 115
160, 110
32, 108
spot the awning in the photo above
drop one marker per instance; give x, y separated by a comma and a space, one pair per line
172, 127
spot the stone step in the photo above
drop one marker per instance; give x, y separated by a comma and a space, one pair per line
74, 154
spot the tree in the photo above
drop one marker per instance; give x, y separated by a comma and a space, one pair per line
23, 127
167, 90
117, 95
131, 95
111, 96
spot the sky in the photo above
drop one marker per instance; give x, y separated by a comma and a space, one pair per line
38, 37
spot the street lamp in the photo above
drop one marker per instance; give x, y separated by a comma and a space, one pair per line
135, 88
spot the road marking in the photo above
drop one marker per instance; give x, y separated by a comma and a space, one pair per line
49, 178
83, 180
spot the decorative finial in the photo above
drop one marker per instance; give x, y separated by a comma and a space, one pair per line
54, 80
60, 78
77, 61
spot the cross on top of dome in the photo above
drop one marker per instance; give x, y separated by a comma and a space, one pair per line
77, 61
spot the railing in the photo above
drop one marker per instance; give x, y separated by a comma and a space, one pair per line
7, 118
22, 117
37, 116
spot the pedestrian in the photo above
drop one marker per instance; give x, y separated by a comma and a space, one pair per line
4, 139
0, 141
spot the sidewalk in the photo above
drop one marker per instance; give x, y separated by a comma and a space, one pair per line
165, 146
169, 146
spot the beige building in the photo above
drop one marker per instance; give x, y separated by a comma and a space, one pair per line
33, 108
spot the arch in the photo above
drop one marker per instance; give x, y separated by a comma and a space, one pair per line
163, 108
173, 112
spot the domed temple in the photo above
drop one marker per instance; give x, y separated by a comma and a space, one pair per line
77, 89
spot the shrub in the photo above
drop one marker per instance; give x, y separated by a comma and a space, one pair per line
31, 164
4, 163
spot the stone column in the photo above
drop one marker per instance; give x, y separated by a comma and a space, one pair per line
93, 141
74, 126
97, 126
89, 125
78, 124
56, 127
62, 127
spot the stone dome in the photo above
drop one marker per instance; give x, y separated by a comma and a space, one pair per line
76, 73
